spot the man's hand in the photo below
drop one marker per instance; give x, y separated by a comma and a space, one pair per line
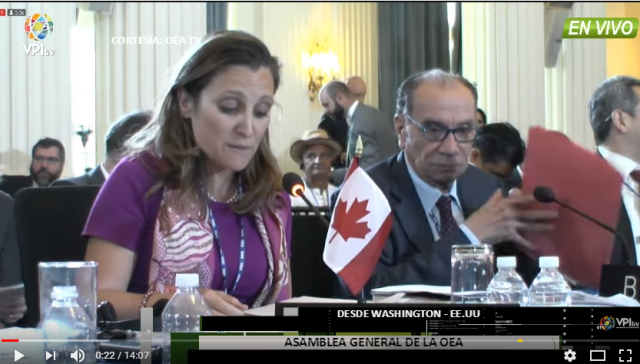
504, 218
12, 309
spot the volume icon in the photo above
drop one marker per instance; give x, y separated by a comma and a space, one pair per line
78, 355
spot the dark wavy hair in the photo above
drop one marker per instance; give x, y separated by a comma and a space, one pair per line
175, 157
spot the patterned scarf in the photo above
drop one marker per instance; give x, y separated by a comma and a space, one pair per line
183, 241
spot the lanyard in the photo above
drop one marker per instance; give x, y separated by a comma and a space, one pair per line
223, 261
324, 194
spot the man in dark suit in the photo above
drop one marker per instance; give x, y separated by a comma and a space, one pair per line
118, 134
498, 150
358, 87
437, 198
12, 303
614, 113
378, 135
338, 130
47, 163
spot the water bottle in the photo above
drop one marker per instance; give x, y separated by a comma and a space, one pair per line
549, 288
66, 328
183, 311
507, 286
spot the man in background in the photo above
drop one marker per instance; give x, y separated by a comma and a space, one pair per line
498, 150
358, 87
337, 128
614, 112
118, 134
378, 135
437, 198
314, 153
481, 118
47, 163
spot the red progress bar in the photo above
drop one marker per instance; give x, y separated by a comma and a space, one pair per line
10, 340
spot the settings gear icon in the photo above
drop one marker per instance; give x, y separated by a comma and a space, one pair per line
569, 355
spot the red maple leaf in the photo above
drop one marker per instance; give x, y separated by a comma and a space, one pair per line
347, 223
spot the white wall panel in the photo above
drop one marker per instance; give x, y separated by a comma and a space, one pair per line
581, 67
503, 53
134, 76
35, 90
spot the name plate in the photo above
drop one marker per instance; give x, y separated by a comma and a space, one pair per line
618, 279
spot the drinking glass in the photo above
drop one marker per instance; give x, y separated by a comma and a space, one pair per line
82, 275
471, 272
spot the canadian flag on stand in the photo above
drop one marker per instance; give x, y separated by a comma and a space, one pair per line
359, 228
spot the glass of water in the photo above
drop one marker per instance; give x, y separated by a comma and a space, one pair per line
471, 272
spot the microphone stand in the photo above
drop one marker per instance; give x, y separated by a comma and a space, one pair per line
626, 245
315, 210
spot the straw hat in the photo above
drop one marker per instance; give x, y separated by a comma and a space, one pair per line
315, 137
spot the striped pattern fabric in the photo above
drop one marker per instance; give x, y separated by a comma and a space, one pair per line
183, 240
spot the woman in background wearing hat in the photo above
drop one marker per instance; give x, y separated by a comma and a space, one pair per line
314, 153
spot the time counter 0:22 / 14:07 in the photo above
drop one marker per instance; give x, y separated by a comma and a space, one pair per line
122, 355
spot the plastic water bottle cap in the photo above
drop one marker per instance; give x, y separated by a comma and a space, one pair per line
64, 292
187, 280
507, 262
549, 262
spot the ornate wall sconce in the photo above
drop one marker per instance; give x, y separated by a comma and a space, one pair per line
84, 137
322, 67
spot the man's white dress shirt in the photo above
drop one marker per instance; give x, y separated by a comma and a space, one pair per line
105, 173
631, 202
429, 195
317, 197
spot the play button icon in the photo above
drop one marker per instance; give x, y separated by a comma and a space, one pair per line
47, 355
17, 355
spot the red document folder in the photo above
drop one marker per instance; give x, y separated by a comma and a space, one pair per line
581, 179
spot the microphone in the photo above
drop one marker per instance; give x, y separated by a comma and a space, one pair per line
546, 195
294, 185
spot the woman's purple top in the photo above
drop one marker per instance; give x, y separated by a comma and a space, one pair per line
123, 214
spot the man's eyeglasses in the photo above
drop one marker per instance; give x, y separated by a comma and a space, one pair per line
436, 132
49, 160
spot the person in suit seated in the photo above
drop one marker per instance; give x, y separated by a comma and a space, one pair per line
314, 153
338, 130
119, 132
481, 118
378, 135
437, 198
47, 163
201, 191
498, 150
614, 113
12, 305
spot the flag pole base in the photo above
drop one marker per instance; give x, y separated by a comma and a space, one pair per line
361, 298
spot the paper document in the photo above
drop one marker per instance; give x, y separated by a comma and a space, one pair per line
585, 181
413, 288
584, 299
270, 310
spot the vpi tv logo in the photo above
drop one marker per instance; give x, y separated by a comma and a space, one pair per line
38, 27
607, 323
